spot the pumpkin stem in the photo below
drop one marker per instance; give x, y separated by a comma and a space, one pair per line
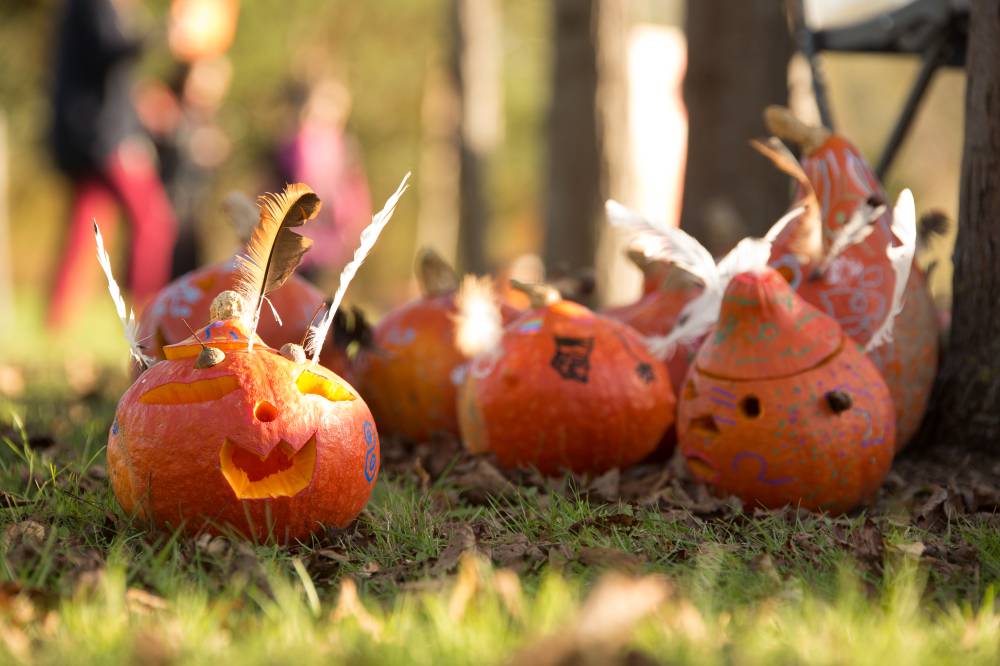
227, 305
781, 123
435, 276
540, 294
293, 352
671, 275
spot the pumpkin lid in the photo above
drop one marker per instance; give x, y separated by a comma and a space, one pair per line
766, 331
226, 335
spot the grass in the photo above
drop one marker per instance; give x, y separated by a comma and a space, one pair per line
452, 562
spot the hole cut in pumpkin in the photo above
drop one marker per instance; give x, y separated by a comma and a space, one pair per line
185, 393
700, 467
309, 383
750, 406
705, 425
265, 412
281, 473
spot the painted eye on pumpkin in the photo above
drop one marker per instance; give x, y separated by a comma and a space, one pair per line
184, 393
309, 383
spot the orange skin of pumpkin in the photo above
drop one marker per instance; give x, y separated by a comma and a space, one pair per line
189, 297
857, 289
408, 377
521, 403
656, 313
166, 460
755, 422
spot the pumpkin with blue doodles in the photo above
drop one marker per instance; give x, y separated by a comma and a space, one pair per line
408, 373
845, 256
561, 388
227, 433
781, 407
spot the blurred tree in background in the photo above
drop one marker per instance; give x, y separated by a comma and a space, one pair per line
738, 55
549, 158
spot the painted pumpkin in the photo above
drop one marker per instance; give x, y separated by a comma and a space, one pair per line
216, 437
188, 298
781, 407
857, 287
408, 375
565, 388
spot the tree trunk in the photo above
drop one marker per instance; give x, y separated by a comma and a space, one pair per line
476, 71
966, 402
738, 56
575, 184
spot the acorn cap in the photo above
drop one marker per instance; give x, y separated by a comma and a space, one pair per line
227, 335
766, 331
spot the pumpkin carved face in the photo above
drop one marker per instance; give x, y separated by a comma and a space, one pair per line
857, 288
566, 389
409, 374
258, 442
781, 407
189, 297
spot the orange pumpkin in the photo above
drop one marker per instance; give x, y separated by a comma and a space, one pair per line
857, 287
781, 407
565, 388
408, 374
187, 300
216, 436
657, 311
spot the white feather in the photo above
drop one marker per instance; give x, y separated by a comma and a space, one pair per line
858, 228
314, 341
368, 238
904, 228
665, 243
129, 325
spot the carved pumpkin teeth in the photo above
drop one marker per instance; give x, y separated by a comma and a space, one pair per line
281, 473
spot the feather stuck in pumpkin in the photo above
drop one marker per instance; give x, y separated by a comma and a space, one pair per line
274, 250
129, 325
370, 234
668, 244
677, 247
857, 228
806, 234
904, 228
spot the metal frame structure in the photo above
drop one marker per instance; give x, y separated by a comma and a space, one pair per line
935, 30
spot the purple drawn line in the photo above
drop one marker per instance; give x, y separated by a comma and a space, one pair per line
724, 419
762, 474
233, 335
721, 391
722, 403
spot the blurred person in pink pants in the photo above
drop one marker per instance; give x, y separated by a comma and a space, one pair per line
98, 144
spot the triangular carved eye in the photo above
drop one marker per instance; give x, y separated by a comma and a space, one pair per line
705, 425
310, 383
183, 393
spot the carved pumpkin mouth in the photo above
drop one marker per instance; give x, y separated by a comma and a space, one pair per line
281, 473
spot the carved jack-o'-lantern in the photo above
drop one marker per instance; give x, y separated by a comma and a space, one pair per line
781, 407
565, 388
186, 300
216, 436
856, 286
408, 375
